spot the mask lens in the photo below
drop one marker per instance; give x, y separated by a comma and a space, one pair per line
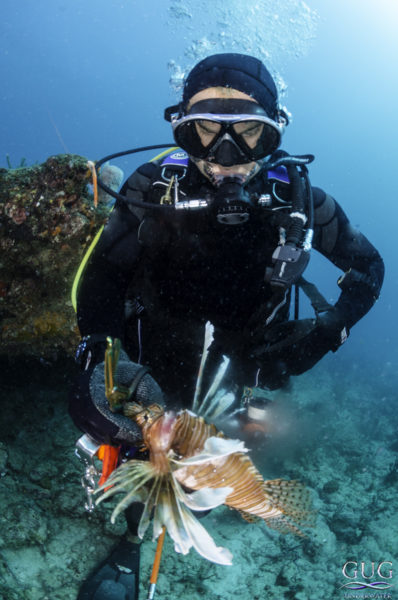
208, 131
249, 131
187, 137
255, 138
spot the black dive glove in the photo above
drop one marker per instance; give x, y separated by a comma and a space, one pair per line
89, 406
299, 345
330, 327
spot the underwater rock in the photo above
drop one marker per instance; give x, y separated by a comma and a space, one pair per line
22, 524
47, 220
331, 487
3, 459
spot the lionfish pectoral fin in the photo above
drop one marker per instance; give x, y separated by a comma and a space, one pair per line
214, 447
132, 476
202, 541
183, 528
133, 496
205, 498
167, 513
150, 502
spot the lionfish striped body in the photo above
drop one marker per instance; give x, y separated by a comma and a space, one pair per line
192, 465
251, 494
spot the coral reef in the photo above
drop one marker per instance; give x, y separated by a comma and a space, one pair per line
47, 219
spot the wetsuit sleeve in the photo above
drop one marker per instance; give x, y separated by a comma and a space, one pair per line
350, 251
102, 290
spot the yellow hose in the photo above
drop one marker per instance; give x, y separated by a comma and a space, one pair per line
81, 268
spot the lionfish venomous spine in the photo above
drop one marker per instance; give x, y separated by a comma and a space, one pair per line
194, 466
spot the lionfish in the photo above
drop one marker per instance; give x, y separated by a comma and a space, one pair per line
193, 466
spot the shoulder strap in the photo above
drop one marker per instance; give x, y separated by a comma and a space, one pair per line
175, 158
318, 301
170, 170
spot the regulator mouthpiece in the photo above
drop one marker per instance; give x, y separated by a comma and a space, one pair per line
231, 202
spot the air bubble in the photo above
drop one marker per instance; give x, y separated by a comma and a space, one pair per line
275, 37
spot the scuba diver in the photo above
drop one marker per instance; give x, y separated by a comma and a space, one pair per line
217, 229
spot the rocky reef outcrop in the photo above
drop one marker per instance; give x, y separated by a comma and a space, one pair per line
47, 221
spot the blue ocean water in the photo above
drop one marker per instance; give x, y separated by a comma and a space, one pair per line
93, 78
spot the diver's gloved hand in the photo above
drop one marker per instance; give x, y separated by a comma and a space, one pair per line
331, 327
89, 407
299, 345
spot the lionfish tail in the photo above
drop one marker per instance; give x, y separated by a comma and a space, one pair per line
293, 500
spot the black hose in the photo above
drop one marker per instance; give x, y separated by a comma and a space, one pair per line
296, 302
281, 158
294, 234
301, 192
111, 192
310, 198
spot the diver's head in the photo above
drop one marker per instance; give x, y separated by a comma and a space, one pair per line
229, 118
216, 145
228, 121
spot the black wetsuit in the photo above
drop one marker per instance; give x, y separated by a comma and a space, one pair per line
180, 271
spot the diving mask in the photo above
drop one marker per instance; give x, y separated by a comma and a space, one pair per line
227, 131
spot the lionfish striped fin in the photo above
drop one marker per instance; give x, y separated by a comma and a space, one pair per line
283, 525
293, 499
248, 517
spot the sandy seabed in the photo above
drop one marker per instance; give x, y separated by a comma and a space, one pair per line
335, 430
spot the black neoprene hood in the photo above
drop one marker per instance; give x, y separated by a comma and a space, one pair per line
239, 71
